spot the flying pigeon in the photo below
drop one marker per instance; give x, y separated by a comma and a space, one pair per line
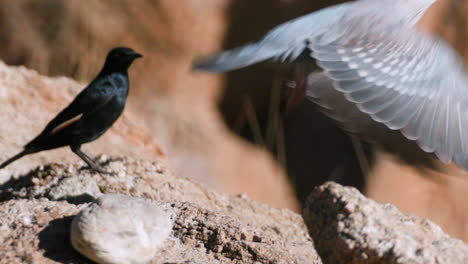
406, 79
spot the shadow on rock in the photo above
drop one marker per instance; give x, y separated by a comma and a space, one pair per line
55, 241
13, 186
56, 182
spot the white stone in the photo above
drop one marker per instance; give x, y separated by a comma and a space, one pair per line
120, 229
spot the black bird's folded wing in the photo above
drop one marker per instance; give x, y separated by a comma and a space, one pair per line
97, 94
404, 79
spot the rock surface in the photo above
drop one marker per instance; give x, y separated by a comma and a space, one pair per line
120, 229
208, 227
75, 190
349, 228
37, 231
212, 228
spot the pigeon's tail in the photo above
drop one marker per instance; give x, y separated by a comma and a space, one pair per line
236, 58
16, 157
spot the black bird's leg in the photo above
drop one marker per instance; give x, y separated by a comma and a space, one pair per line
91, 162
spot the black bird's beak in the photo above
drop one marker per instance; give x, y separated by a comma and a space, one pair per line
137, 55
133, 54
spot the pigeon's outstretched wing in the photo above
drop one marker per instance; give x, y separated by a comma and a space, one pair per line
285, 42
404, 79
322, 96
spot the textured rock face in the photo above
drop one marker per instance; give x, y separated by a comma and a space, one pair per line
208, 227
349, 228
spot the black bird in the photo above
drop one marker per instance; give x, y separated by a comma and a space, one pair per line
91, 113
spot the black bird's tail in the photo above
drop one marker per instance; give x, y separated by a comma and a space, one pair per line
14, 158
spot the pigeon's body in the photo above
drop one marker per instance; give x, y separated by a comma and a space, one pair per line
399, 76
91, 113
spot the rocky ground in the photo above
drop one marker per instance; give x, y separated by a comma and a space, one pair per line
36, 211
208, 227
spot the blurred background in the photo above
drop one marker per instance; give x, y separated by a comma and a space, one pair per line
231, 131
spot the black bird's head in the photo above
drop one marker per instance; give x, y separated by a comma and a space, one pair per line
119, 59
